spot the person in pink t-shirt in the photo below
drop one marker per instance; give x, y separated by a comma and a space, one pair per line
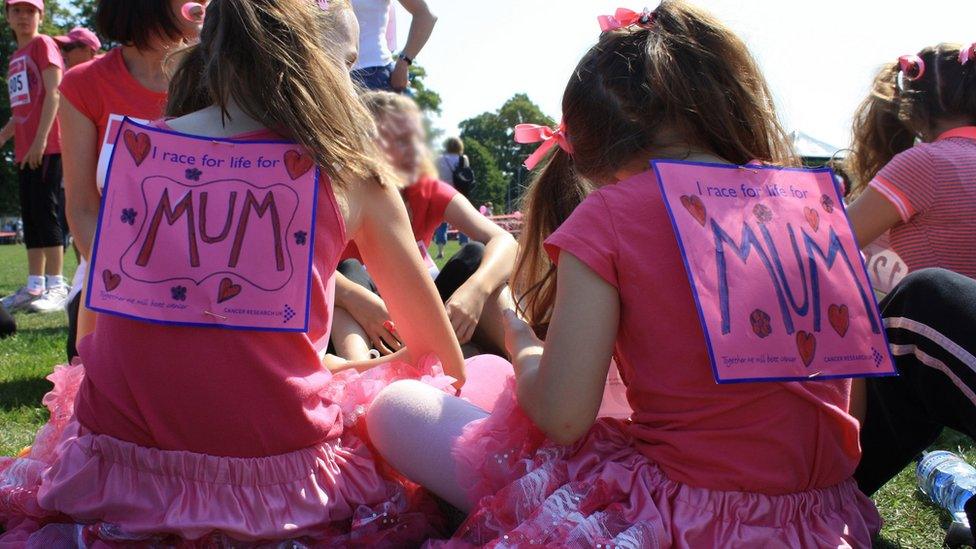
129, 80
79, 46
174, 435
699, 464
472, 284
32, 80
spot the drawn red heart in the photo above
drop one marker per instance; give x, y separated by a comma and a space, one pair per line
228, 290
695, 207
806, 344
813, 218
138, 145
298, 163
840, 318
111, 280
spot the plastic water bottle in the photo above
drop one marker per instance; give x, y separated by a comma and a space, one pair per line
948, 481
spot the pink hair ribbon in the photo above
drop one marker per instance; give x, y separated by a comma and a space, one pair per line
193, 12
967, 54
533, 133
912, 66
624, 18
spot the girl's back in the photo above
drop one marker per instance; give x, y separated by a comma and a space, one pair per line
700, 433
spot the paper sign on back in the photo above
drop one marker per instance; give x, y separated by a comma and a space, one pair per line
780, 286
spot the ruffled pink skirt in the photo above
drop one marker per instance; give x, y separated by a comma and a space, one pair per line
601, 492
77, 488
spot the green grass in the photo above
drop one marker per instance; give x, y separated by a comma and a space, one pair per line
28, 357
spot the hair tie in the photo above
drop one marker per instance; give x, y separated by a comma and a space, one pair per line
624, 18
533, 133
912, 66
193, 12
967, 54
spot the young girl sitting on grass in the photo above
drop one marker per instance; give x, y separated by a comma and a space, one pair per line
699, 464
471, 284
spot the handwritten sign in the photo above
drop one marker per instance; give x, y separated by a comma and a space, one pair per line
108, 146
205, 232
780, 287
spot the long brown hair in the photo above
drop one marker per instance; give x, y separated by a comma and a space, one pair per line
267, 56
685, 72
889, 119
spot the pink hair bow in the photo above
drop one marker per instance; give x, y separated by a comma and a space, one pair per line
624, 17
533, 133
912, 66
967, 54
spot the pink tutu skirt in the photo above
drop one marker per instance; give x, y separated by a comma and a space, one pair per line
601, 492
76, 488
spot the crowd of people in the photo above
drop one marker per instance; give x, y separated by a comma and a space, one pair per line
476, 386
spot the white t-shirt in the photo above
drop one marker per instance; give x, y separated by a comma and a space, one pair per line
446, 165
374, 20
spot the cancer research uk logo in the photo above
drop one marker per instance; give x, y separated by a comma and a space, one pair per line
288, 314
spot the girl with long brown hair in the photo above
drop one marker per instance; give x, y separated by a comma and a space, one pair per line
699, 464
186, 434
914, 159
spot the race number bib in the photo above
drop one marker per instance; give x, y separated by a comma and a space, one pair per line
18, 85
205, 232
781, 290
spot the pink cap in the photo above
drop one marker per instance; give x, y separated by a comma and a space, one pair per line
80, 35
39, 4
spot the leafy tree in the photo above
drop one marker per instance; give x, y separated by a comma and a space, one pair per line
494, 130
490, 184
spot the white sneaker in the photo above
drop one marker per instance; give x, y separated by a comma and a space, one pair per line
54, 299
20, 299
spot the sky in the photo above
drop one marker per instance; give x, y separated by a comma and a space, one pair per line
819, 57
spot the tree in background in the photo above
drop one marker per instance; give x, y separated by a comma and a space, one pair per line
490, 184
59, 17
494, 131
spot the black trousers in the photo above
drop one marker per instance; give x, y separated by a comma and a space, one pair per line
7, 325
40, 203
930, 319
456, 271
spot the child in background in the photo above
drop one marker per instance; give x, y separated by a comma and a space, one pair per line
33, 78
699, 464
915, 143
470, 284
170, 434
924, 193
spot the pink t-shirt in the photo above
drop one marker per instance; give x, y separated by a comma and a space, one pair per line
772, 438
104, 86
427, 200
933, 187
214, 391
25, 83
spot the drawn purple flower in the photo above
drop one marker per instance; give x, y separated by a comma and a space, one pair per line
827, 203
129, 216
193, 174
178, 293
301, 237
763, 213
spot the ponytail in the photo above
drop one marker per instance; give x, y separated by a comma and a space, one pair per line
879, 134
551, 198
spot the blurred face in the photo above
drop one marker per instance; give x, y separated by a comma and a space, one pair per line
343, 38
24, 19
76, 54
402, 139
